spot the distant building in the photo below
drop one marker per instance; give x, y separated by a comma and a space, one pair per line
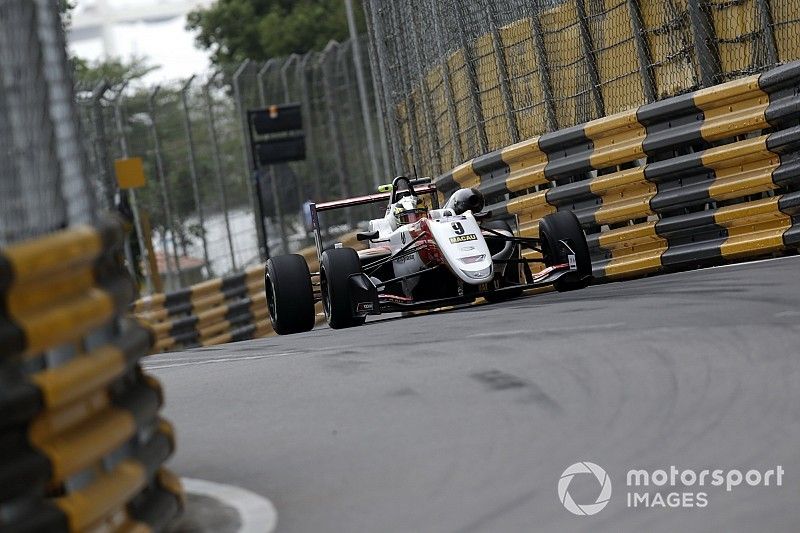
148, 28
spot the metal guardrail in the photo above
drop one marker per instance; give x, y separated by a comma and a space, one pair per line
82, 439
708, 175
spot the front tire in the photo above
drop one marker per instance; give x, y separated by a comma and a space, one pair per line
336, 267
290, 296
564, 226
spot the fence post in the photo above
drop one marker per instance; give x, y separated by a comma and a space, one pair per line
502, 70
767, 25
187, 123
212, 131
430, 125
642, 51
270, 171
333, 126
452, 114
362, 92
305, 103
165, 196
544, 69
591, 61
150, 271
705, 45
293, 59
247, 159
101, 142
390, 111
474, 91
377, 91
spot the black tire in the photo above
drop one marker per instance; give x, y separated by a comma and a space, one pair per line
290, 296
336, 267
511, 275
564, 226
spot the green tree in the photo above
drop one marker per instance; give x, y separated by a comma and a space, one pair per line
116, 71
233, 30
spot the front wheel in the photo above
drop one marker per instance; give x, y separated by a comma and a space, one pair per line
290, 296
336, 267
564, 226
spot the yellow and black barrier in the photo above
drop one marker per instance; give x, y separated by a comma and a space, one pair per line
217, 311
705, 176
82, 440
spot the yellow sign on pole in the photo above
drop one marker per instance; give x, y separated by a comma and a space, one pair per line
130, 173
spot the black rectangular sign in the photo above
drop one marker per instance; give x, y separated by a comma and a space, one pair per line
281, 150
276, 119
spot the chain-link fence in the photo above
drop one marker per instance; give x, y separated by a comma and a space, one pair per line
44, 186
459, 78
199, 205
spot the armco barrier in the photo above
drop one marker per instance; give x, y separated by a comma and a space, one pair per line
704, 176
80, 433
217, 311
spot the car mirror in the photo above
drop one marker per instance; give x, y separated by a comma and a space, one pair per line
367, 236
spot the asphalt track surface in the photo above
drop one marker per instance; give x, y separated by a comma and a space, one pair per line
464, 420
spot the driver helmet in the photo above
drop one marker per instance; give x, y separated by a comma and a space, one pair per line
409, 210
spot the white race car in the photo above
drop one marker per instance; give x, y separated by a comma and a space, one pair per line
420, 258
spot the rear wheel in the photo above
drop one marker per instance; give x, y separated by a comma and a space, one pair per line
564, 226
511, 272
290, 296
336, 267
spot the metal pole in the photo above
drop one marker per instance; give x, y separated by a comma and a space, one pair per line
302, 67
187, 123
642, 51
430, 125
448, 87
137, 222
286, 99
390, 111
591, 62
474, 91
376, 97
767, 31
543, 70
101, 147
362, 92
162, 178
212, 131
270, 171
502, 71
335, 134
705, 43
249, 163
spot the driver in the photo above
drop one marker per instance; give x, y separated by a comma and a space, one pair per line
408, 210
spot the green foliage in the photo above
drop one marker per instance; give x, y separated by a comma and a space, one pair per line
116, 71
233, 30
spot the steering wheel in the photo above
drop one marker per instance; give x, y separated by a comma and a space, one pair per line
395, 188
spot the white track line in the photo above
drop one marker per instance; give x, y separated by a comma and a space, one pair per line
256, 513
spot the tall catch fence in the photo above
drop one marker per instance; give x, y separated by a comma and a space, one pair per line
200, 199
462, 78
83, 443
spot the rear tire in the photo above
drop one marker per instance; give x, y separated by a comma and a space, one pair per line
336, 267
290, 296
511, 275
564, 226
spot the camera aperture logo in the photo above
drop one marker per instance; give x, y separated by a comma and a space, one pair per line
588, 509
651, 488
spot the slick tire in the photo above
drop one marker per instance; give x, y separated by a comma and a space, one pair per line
290, 296
564, 226
336, 267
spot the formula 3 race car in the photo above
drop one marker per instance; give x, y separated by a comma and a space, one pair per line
421, 258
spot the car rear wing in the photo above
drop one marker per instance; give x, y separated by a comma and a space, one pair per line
422, 186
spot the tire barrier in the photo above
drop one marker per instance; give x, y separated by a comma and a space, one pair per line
710, 175
82, 440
